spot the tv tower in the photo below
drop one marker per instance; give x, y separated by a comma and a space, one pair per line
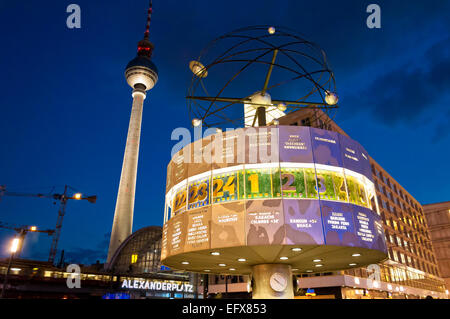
141, 74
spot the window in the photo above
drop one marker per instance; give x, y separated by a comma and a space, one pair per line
391, 239
306, 122
392, 209
321, 124
395, 255
377, 173
402, 257
409, 260
394, 224
399, 241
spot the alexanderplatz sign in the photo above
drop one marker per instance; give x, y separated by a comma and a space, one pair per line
156, 285
271, 201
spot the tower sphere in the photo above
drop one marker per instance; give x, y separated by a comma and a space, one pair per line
141, 70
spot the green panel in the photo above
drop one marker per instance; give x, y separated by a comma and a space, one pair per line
310, 176
241, 184
339, 185
258, 183
352, 187
325, 185
276, 183
293, 182
362, 197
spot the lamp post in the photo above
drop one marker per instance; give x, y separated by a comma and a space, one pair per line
15, 244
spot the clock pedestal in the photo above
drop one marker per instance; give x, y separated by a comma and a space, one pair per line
272, 281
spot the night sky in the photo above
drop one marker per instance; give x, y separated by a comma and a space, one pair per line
65, 104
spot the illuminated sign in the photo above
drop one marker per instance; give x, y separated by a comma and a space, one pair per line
156, 285
116, 296
310, 292
270, 181
303, 222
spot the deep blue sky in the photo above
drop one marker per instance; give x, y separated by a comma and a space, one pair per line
65, 104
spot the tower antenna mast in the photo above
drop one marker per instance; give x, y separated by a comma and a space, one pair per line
149, 19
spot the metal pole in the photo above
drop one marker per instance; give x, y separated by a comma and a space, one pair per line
22, 235
5, 282
226, 286
205, 286
61, 213
196, 285
261, 111
269, 72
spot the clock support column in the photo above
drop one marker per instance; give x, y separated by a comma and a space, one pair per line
272, 281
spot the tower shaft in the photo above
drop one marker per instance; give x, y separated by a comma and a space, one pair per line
123, 215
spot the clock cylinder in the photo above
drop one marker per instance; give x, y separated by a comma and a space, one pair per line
272, 281
285, 196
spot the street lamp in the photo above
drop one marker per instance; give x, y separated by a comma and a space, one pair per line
15, 244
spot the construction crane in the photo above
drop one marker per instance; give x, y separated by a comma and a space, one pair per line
62, 198
23, 231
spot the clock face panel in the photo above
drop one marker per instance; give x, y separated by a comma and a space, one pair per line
278, 282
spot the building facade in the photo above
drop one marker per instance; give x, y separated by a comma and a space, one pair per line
437, 217
412, 269
137, 264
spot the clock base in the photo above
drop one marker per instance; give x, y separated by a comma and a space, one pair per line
272, 281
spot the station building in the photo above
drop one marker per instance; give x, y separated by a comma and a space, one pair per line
135, 273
